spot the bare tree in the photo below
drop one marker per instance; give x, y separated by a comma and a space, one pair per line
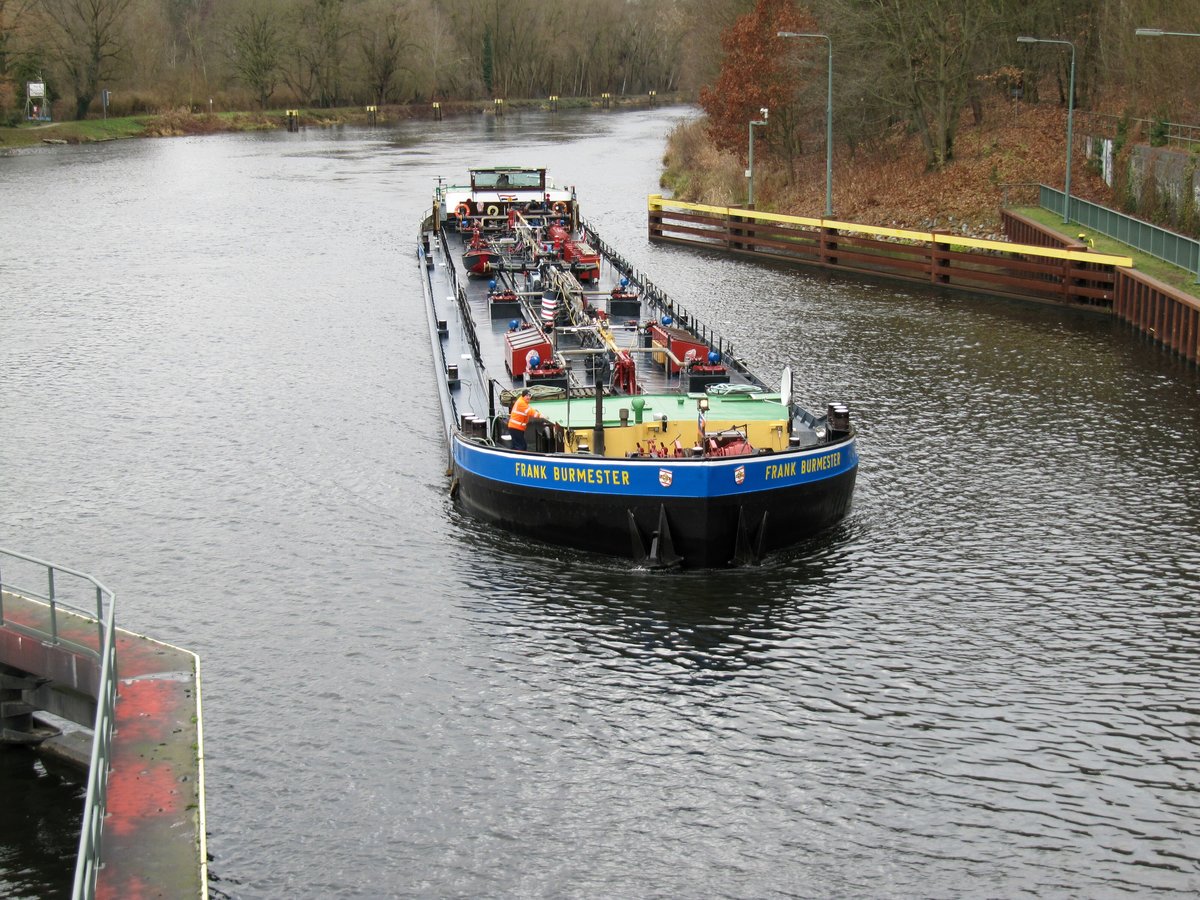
383, 41
255, 49
922, 56
320, 38
88, 37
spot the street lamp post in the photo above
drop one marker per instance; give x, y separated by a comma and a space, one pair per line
828, 117
764, 112
1158, 32
1070, 116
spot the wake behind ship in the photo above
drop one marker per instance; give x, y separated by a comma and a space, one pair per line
645, 436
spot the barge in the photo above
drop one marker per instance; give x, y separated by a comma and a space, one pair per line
645, 435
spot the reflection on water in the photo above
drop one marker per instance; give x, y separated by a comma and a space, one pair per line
221, 403
39, 829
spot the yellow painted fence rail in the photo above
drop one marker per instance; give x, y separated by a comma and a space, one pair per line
1071, 276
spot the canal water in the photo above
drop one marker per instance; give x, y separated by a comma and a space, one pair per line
217, 398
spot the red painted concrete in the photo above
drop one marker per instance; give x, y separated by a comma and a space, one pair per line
151, 843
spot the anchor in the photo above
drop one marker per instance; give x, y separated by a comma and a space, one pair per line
662, 553
747, 550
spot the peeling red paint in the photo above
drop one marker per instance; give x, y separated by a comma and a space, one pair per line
143, 705
132, 888
138, 656
138, 794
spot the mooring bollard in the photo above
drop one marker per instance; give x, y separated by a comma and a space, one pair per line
293, 120
554, 102
499, 107
605, 100
653, 97
437, 111
372, 114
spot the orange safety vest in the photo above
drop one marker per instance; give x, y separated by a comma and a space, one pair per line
521, 413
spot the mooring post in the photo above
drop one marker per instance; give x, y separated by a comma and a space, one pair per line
732, 231
656, 217
437, 111
938, 262
293, 120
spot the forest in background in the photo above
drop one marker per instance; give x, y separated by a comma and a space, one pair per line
156, 55
919, 62
919, 87
939, 110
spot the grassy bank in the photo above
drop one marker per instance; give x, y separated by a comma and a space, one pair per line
169, 124
36, 134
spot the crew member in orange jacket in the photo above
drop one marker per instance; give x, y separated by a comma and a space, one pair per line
518, 419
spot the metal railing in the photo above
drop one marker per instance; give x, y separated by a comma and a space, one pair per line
87, 860
1169, 246
1174, 134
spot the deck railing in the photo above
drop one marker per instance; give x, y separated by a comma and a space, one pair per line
665, 304
17, 567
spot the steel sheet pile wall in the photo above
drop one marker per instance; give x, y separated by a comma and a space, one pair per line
1169, 316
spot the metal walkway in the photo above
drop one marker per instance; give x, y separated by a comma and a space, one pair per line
143, 830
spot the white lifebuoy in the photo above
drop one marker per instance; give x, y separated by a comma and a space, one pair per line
493, 210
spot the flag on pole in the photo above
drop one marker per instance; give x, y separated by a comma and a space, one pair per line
700, 424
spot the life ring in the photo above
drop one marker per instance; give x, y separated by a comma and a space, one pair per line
463, 211
560, 208
493, 210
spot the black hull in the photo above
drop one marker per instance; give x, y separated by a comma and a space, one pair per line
703, 532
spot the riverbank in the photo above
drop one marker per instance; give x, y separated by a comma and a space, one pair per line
166, 125
177, 123
883, 181
997, 164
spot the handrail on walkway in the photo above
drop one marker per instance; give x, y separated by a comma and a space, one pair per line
88, 857
658, 202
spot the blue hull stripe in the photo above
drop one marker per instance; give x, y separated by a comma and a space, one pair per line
659, 478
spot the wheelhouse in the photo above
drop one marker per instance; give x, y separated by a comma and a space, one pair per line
494, 190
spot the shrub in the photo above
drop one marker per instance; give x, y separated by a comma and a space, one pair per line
1159, 131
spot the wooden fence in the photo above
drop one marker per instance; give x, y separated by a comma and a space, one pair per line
1073, 276
1039, 264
